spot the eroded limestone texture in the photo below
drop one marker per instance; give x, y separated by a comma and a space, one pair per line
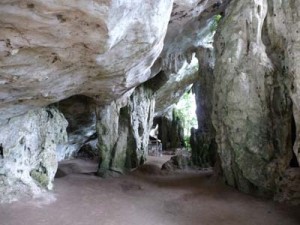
190, 27
289, 186
123, 132
282, 38
29, 162
256, 87
51, 50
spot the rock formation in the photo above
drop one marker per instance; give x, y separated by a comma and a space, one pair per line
93, 70
256, 92
51, 50
123, 131
28, 163
202, 140
80, 113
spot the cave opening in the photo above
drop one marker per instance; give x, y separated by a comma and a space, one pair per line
174, 126
294, 161
185, 111
81, 150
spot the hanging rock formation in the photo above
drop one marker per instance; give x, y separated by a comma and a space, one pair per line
171, 132
51, 50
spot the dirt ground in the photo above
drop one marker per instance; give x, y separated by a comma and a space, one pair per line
144, 197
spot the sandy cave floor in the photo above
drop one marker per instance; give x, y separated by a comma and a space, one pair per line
144, 197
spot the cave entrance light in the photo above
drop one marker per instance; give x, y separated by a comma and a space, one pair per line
185, 109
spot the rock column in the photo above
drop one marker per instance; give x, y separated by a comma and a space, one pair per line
202, 140
123, 132
255, 84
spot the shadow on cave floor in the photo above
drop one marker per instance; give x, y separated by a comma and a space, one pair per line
145, 196
76, 166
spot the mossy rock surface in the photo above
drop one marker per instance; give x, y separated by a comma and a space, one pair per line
40, 177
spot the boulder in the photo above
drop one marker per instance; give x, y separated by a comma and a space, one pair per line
181, 161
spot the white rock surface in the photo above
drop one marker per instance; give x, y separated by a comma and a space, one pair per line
29, 160
191, 26
50, 50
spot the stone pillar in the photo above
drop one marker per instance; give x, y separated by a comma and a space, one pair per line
123, 132
202, 140
254, 83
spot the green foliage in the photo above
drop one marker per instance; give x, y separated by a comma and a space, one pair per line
185, 111
214, 25
187, 143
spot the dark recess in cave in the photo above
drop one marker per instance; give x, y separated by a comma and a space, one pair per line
293, 162
79, 112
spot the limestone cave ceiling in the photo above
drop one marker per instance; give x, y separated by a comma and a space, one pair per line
51, 50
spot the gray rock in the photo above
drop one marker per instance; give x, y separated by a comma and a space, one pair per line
29, 160
289, 186
255, 90
104, 50
123, 132
171, 132
180, 161
50, 51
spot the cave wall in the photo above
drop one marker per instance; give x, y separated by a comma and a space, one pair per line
28, 160
123, 132
256, 93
